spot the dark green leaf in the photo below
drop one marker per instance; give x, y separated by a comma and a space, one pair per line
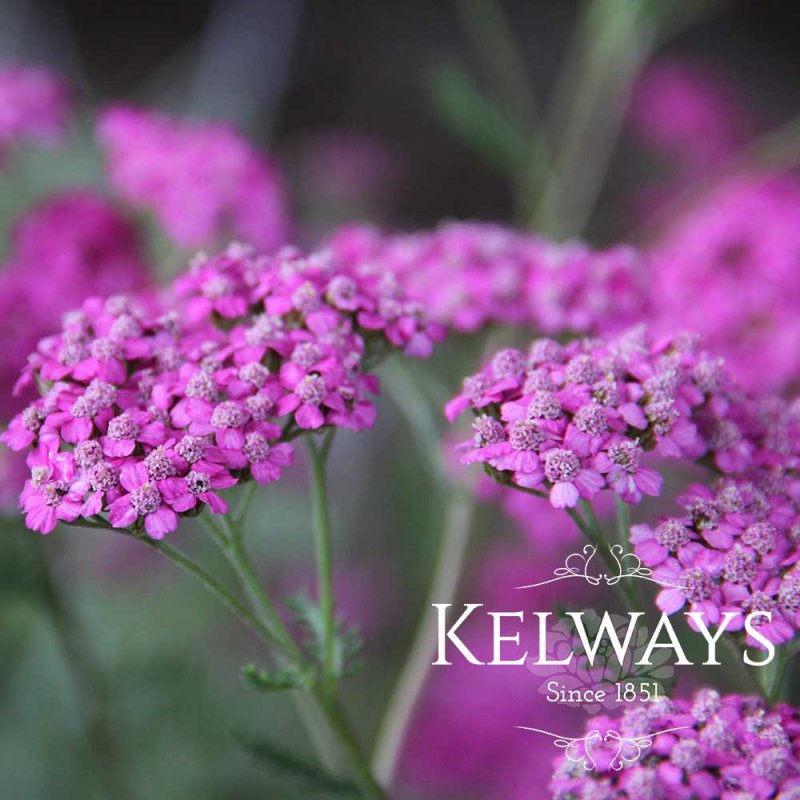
347, 642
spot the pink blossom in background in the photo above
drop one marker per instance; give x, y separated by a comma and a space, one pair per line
472, 274
728, 269
204, 182
541, 524
689, 114
34, 105
71, 245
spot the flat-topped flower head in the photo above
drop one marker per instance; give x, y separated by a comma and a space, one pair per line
714, 746
733, 550
603, 408
157, 404
468, 275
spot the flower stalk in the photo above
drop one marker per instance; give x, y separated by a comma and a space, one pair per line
318, 456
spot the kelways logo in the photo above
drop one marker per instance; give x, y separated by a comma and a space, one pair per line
596, 661
577, 565
505, 629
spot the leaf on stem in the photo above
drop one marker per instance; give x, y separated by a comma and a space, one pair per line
283, 679
347, 641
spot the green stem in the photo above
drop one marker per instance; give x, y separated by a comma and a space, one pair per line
492, 37
734, 656
213, 585
593, 531
248, 493
271, 629
324, 703
370, 788
264, 608
459, 502
623, 521
322, 547
770, 678
444, 585
613, 39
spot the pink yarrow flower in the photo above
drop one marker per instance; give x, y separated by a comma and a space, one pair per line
158, 404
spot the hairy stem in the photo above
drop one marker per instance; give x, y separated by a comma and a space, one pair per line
320, 712
269, 627
318, 456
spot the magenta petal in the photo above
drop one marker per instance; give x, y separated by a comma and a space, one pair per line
564, 495
118, 448
651, 552
265, 472
455, 407
230, 439
42, 518
215, 503
77, 430
161, 522
287, 403
309, 417
670, 600
93, 505
121, 514
133, 475
649, 481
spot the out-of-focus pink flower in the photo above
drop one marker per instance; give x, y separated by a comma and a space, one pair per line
72, 245
686, 112
727, 268
468, 275
204, 182
34, 105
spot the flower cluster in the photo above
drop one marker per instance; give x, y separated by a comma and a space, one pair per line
72, 245
472, 274
203, 181
148, 409
729, 747
734, 549
570, 420
34, 105
736, 249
